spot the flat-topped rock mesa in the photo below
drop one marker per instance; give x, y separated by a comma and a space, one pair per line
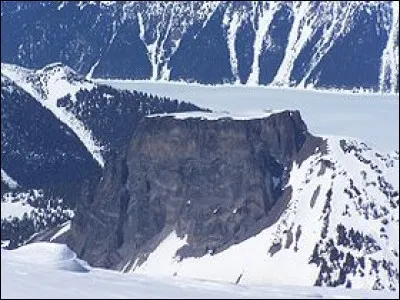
213, 178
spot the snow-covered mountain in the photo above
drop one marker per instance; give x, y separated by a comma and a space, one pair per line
57, 130
50, 84
36, 146
42, 162
242, 196
11, 183
246, 194
340, 228
101, 117
326, 44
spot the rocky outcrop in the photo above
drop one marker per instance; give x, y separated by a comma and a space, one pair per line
55, 139
216, 181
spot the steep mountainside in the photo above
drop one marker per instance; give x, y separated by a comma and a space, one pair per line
36, 148
196, 192
340, 228
49, 163
326, 44
57, 131
103, 118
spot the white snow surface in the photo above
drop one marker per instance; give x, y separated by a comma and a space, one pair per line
47, 256
212, 116
11, 183
232, 24
15, 205
64, 229
10, 210
389, 74
261, 28
373, 118
49, 84
44, 270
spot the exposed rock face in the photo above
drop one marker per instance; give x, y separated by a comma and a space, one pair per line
55, 139
217, 182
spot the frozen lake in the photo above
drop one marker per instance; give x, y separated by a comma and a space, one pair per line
372, 118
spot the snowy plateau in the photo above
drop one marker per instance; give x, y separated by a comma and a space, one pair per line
43, 271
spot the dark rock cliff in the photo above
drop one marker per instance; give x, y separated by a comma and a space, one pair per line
43, 153
217, 182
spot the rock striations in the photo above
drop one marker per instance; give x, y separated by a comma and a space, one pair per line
217, 181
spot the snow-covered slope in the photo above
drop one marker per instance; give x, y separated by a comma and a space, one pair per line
26, 212
37, 150
340, 228
216, 115
322, 44
48, 85
11, 183
47, 255
102, 117
52, 271
15, 205
57, 130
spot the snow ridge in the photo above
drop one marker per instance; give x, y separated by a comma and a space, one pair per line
57, 266
232, 23
389, 76
261, 27
11, 183
56, 81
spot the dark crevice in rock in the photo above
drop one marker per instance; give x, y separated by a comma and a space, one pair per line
315, 196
